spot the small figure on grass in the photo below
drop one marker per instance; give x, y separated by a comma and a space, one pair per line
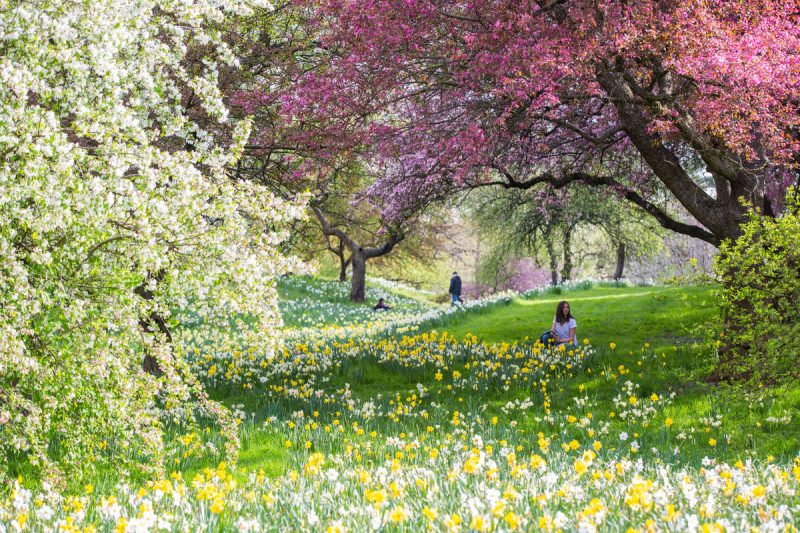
381, 305
455, 289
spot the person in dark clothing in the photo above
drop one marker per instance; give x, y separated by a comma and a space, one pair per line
381, 305
455, 289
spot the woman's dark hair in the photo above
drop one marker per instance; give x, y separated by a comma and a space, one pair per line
560, 318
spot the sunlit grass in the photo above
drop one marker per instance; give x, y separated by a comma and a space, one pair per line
638, 393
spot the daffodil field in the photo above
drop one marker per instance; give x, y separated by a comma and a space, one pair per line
181, 180
396, 421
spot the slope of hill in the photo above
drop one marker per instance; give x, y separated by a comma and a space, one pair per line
454, 418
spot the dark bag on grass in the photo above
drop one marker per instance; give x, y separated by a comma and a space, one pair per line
547, 338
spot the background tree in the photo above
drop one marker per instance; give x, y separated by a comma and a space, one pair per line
284, 156
423, 258
355, 238
520, 224
341, 253
553, 227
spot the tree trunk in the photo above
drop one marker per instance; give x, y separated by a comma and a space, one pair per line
566, 271
358, 280
553, 261
339, 252
620, 261
149, 363
343, 264
721, 215
358, 254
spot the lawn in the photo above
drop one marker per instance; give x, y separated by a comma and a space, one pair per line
659, 342
441, 417
628, 316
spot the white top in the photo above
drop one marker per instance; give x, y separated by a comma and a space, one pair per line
562, 330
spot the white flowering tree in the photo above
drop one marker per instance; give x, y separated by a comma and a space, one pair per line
118, 227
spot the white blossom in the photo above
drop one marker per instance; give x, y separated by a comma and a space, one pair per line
109, 192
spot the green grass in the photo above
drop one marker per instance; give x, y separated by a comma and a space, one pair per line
628, 316
670, 320
675, 359
659, 342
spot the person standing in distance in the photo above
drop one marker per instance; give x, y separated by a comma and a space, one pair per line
455, 289
564, 325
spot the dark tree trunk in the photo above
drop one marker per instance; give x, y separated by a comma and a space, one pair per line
553, 261
620, 261
358, 281
339, 252
343, 264
733, 178
358, 254
149, 363
566, 271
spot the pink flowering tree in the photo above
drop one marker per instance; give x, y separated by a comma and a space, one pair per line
295, 155
698, 100
527, 275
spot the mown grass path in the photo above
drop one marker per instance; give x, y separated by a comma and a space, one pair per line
627, 316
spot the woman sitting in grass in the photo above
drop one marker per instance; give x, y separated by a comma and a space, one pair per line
564, 325
381, 305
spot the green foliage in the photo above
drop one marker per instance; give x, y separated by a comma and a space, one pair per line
117, 214
760, 276
493, 269
693, 275
574, 231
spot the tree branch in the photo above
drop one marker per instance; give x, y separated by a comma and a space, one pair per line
329, 230
100, 244
395, 237
558, 182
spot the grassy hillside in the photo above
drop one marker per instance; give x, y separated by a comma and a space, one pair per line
657, 339
422, 416
629, 316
